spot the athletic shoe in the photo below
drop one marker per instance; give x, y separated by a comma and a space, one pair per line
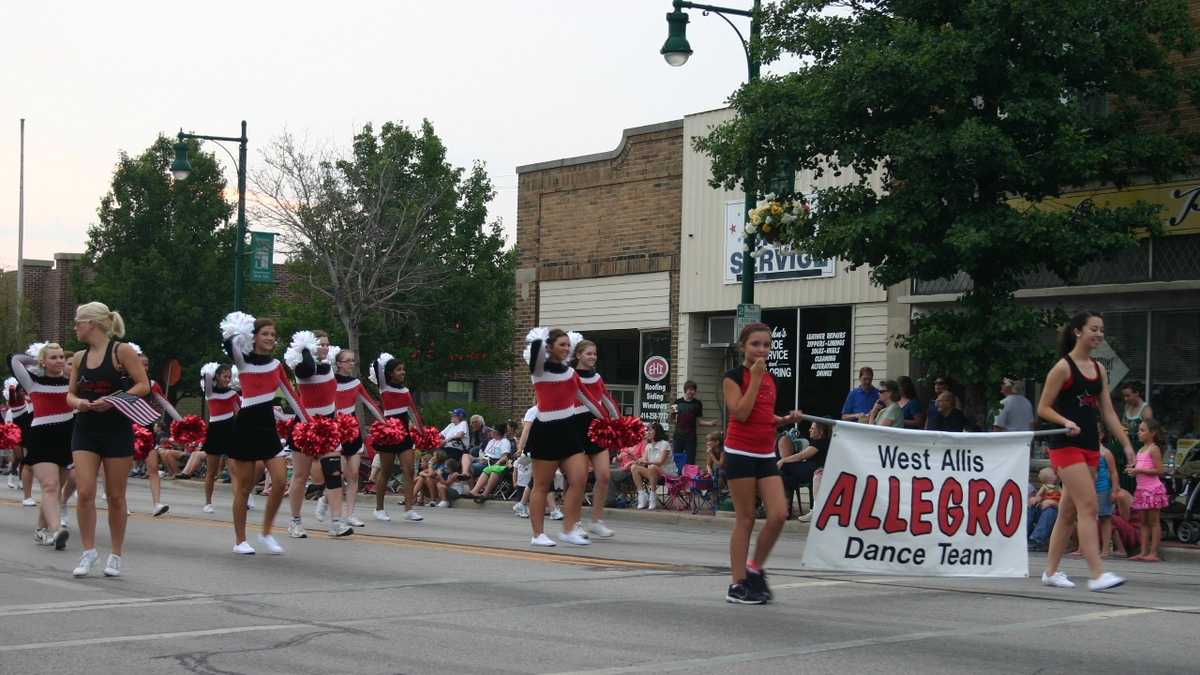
29, 501
12, 482
43, 537
804, 518
573, 539
651, 501
268, 542
208, 508
243, 548
600, 530
742, 594
86, 561
322, 509
443, 504
250, 502
1105, 581
520, 510
160, 509
340, 529
579, 531
432, 505
60, 539
643, 499
113, 567
296, 530
354, 521
183, 476
1057, 580
37, 534
542, 540
62, 522
413, 516
757, 582
382, 515
557, 514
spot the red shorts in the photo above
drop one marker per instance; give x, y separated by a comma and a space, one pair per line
1060, 457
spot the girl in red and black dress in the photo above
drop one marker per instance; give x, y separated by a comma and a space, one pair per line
21, 413
350, 391
750, 464
1076, 397
223, 403
554, 439
48, 443
309, 358
597, 393
398, 403
255, 437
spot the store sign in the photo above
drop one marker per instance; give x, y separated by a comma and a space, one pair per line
775, 264
781, 360
655, 387
1179, 202
824, 364
655, 368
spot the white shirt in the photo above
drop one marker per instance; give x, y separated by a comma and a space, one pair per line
497, 448
1016, 414
531, 414
456, 432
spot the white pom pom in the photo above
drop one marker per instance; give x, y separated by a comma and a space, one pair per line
210, 369
238, 323
575, 339
136, 349
380, 363
331, 355
233, 380
35, 349
301, 340
9, 384
540, 333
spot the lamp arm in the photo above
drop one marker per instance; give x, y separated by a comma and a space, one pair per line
217, 140
721, 12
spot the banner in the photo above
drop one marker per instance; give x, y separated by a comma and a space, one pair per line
922, 503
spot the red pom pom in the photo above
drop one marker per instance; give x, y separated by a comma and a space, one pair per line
388, 434
189, 430
348, 424
284, 428
632, 430
427, 438
143, 442
319, 437
607, 433
10, 435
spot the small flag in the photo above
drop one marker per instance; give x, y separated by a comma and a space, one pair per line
133, 407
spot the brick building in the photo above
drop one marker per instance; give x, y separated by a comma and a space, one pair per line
50, 295
598, 240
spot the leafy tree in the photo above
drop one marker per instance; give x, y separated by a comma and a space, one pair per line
961, 120
161, 254
10, 341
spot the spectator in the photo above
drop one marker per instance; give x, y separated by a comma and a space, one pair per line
1136, 409
655, 462
940, 386
687, 414
861, 399
524, 464
455, 437
425, 487
619, 475
1043, 509
910, 404
1016, 412
477, 435
806, 465
949, 417
886, 411
494, 462
714, 448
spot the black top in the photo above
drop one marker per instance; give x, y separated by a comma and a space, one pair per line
342, 379
1079, 401
822, 446
955, 421
96, 383
687, 416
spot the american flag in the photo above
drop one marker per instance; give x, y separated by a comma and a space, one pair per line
136, 409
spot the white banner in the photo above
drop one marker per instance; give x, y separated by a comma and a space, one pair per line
922, 503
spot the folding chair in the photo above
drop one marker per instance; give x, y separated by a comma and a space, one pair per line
679, 494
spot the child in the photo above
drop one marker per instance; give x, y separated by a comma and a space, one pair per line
714, 457
1110, 498
1043, 509
1150, 495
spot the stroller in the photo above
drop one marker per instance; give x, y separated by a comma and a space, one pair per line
1181, 518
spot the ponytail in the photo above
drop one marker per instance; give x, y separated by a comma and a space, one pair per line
1066, 337
98, 313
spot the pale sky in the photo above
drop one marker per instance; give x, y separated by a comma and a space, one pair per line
508, 82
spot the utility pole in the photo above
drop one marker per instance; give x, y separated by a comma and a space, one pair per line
21, 237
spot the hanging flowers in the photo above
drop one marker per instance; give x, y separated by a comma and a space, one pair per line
777, 220
189, 431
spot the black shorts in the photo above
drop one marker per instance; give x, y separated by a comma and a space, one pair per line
110, 438
741, 466
554, 441
352, 448
50, 443
220, 436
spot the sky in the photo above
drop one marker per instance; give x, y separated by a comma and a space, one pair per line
505, 82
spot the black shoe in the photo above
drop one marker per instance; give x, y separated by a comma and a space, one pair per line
1036, 546
757, 582
742, 594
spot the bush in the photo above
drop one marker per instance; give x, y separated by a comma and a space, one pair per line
437, 413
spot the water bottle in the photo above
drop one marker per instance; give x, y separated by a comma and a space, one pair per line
1170, 465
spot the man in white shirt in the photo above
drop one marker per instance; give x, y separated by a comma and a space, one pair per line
1016, 412
454, 439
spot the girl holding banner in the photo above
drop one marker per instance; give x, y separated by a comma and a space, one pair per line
1076, 397
750, 465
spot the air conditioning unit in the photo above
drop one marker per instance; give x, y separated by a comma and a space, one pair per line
720, 332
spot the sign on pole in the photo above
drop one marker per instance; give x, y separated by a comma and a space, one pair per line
746, 315
262, 257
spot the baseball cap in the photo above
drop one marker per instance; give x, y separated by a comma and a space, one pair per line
459, 411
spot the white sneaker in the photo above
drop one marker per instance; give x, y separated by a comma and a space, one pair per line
250, 502
1105, 581
804, 517
1057, 580
113, 567
296, 530
160, 509
557, 514
354, 521
642, 499
573, 538
28, 502
322, 509
443, 504
62, 521
59, 539
580, 532
267, 541
86, 561
542, 540
208, 508
651, 501
42, 537
243, 548
601, 530
413, 516
12, 482
382, 515
340, 529
520, 510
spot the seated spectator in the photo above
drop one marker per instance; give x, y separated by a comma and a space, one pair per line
886, 411
494, 462
805, 465
620, 478
1043, 509
655, 462
455, 436
949, 417
940, 385
910, 404
425, 487
496, 445
478, 435
714, 450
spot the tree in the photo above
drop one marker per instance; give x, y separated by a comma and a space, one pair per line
162, 254
972, 116
10, 341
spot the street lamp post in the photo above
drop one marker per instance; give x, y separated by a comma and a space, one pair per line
181, 168
676, 51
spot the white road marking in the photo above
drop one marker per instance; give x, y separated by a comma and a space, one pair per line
710, 663
808, 584
116, 603
69, 585
156, 636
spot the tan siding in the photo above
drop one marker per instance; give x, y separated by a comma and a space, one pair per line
608, 303
870, 339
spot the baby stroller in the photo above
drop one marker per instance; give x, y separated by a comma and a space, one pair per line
1182, 516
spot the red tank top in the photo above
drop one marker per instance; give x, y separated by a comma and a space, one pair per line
756, 436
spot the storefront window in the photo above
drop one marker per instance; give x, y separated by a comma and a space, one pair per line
1175, 371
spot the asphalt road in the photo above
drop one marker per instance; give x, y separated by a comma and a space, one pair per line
463, 593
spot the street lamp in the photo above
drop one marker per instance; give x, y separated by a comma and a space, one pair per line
181, 168
676, 51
